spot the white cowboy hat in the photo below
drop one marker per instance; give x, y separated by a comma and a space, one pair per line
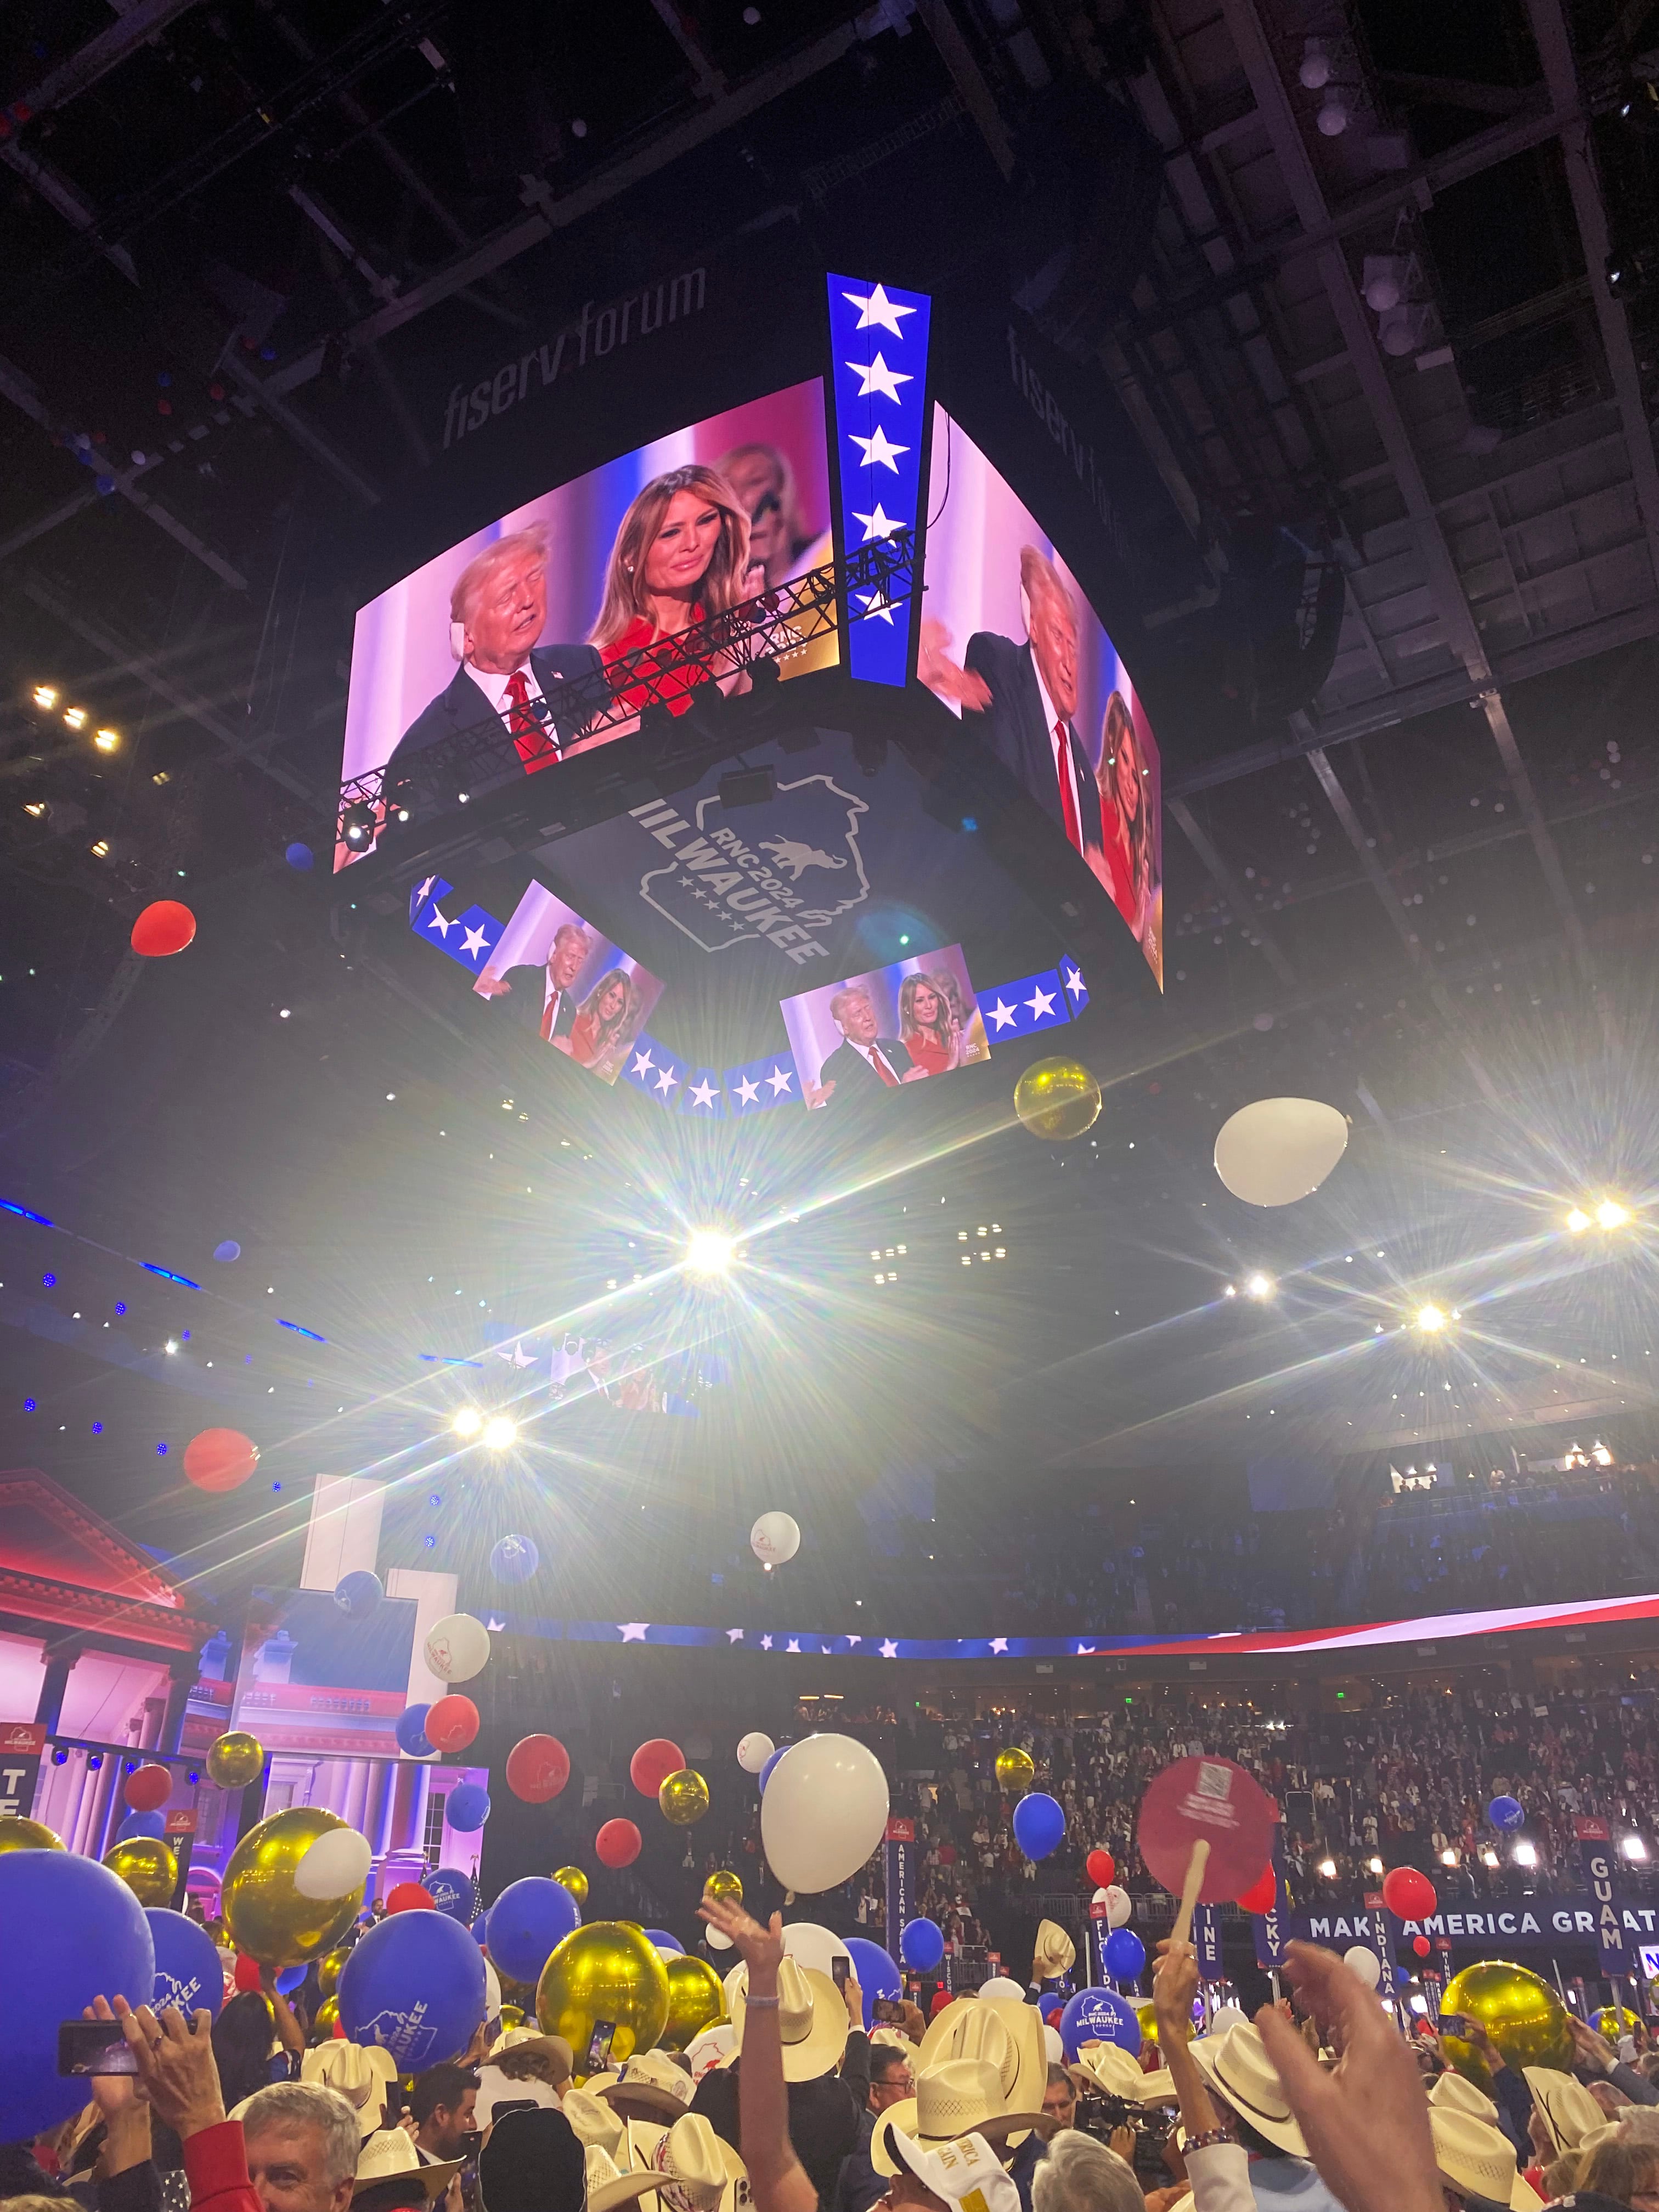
389, 2155
597, 2125
361, 2073
1568, 2111
1115, 2071
651, 2086
966, 2170
1007, 2033
812, 2022
1235, 2065
694, 2170
1054, 1953
716, 2047
607, 2186
1454, 2091
957, 2097
1477, 2159
894, 2039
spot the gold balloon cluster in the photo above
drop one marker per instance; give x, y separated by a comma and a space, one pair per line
724, 1886
575, 1882
1519, 2011
683, 1798
1015, 1769
235, 1759
1057, 1098
604, 1971
1615, 2021
328, 2014
328, 1970
147, 1868
1147, 2015
696, 1999
20, 1835
265, 1914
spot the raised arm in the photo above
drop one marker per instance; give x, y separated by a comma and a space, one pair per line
777, 2176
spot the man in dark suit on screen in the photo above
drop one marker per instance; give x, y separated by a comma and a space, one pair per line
862, 1062
1024, 697
501, 690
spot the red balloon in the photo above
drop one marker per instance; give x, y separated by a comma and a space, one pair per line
618, 1842
409, 1897
220, 1459
246, 1975
1259, 1897
1054, 2014
1421, 1945
653, 1763
148, 1789
1101, 1868
161, 928
1408, 1894
537, 1768
452, 1723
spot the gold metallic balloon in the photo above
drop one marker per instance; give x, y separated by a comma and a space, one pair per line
724, 1885
1147, 2015
683, 1798
1519, 2011
327, 2014
147, 1868
235, 1759
575, 1882
328, 1970
20, 1835
604, 1971
1615, 2021
1057, 1098
1015, 1769
512, 2017
265, 1913
696, 1999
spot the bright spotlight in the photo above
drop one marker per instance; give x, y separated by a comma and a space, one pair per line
1578, 1221
45, 696
1525, 1855
468, 1422
499, 1431
106, 740
75, 717
1611, 1215
709, 1252
1260, 1286
1633, 1848
1430, 1319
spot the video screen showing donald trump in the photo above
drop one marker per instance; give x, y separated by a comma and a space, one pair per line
898, 1024
498, 653
567, 984
1010, 644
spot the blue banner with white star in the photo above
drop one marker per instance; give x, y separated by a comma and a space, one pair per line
702, 1097
1036, 1002
878, 347
469, 938
761, 1083
656, 1069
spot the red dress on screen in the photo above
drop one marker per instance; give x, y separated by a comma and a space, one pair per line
673, 685
585, 1033
926, 1052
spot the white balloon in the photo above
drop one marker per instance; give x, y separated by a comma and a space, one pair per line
775, 1538
1052, 2045
1365, 1963
809, 1945
456, 1647
1279, 1149
715, 1940
337, 1864
754, 1750
737, 1979
1225, 2016
1001, 1986
492, 1992
1118, 1907
823, 1812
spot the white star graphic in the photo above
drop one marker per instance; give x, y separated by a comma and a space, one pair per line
780, 1080
890, 1651
766, 1643
1041, 1002
998, 1643
643, 1064
1002, 1015
1073, 981
667, 1080
878, 524
702, 1093
854, 1640
877, 603
794, 1645
439, 922
734, 1635
748, 1093
878, 451
495, 1624
472, 944
633, 1632
875, 307
878, 379
425, 890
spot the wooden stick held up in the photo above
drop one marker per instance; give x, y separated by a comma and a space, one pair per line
1189, 1889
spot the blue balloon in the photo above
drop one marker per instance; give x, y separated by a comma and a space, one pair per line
454, 1892
515, 1559
664, 1942
359, 1592
142, 1824
874, 1972
411, 1732
415, 1985
290, 1979
480, 1929
1039, 1824
1125, 1955
1506, 1813
188, 1971
299, 856
765, 1774
922, 1944
466, 1808
1099, 2016
73, 1931
527, 1921
230, 1249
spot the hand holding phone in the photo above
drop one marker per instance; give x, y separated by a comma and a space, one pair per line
95, 2046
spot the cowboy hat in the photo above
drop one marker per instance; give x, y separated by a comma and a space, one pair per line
892, 2039
511, 2035
651, 2086
597, 2125
534, 2161
389, 2155
692, 2170
963, 2171
716, 2047
1568, 2111
1454, 2091
957, 2097
1477, 2159
361, 2073
607, 2186
1054, 1953
812, 2022
1235, 2065
1007, 2033
1112, 2069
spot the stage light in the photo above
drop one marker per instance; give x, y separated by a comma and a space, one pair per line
75, 717
1260, 1286
1488, 1857
106, 740
1525, 1854
1611, 1215
499, 1431
357, 825
1633, 1848
709, 1252
1328, 1867
1374, 1866
45, 696
1578, 1221
468, 1422
173, 1345
1449, 1856
1431, 1319
37, 807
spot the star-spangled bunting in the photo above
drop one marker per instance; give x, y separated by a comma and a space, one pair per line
1036, 1002
468, 934
702, 1098
763, 1083
1077, 991
655, 1068
878, 337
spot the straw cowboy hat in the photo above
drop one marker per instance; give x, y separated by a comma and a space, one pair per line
894, 2040
652, 2086
389, 2155
692, 2169
1054, 1953
597, 2125
957, 2097
812, 2022
716, 2047
1568, 2110
1111, 2068
1237, 2066
965, 2172
362, 2072
1454, 2091
1477, 2159
1000, 2029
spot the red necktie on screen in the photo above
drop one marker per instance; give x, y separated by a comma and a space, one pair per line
882, 1069
536, 748
1067, 796
549, 1012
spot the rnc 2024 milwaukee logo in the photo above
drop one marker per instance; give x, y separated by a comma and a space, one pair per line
792, 869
